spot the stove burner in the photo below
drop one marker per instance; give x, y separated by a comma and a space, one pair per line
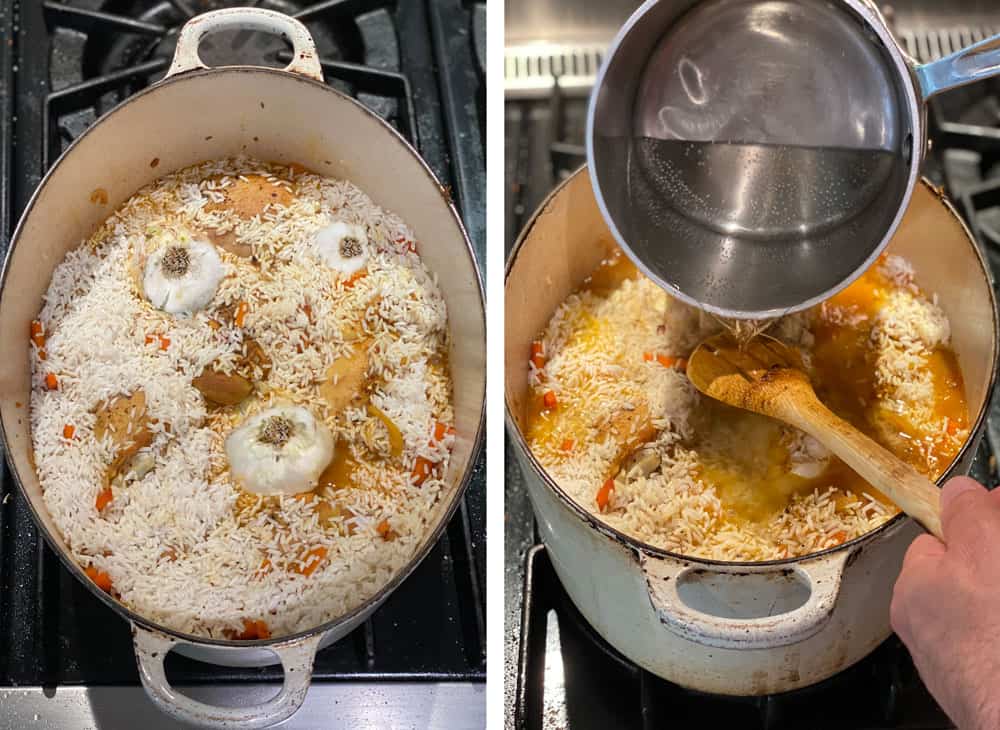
109, 51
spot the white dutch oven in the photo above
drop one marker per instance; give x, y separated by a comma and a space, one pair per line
197, 114
731, 628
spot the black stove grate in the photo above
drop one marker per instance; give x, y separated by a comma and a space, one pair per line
62, 65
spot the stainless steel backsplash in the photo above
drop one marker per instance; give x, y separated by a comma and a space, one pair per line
566, 39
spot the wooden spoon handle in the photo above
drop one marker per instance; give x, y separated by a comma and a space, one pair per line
914, 493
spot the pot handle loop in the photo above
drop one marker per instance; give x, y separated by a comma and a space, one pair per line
975, 63
152, 647
710, 625
305, 60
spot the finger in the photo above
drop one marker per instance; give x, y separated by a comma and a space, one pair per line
963, 502
923, 548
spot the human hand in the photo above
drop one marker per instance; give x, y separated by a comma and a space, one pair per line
946, 602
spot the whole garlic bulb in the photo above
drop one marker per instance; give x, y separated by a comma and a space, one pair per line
182, 278
343, 247
281, 450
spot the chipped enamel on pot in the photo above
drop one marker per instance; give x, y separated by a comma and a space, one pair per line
731, 628
197, 114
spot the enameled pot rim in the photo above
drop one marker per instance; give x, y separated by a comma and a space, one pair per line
638, 545
478, 438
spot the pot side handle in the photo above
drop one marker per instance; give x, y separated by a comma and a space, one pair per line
305, 60
152, 647
975, 63
664, 576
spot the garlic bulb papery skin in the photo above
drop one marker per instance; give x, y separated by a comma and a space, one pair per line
343, 247
281, 450
182, 278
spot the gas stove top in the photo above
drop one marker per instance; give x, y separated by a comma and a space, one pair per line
560, 673
65, 659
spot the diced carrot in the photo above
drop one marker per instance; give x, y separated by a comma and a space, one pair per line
354, 278
538, 354
51, 382
566, 445
241, 313
310, 561
952, 427
441, 430
604, 494
647, 356
104, 498
164, 342
150, 339
69, 430
42, 355
100, 578
550, 400
385, 530
666, 361
37, 333
254, 629
421, 470
839, 536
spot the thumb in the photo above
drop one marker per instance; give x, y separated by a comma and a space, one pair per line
963, 504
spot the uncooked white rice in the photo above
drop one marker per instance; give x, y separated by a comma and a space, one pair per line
183, 545
596, 362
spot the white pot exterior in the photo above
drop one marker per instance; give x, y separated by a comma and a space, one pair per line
732, 628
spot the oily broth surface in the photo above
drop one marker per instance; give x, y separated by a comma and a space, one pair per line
745, 456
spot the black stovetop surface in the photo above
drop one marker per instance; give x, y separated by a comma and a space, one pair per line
560, 674
417, 64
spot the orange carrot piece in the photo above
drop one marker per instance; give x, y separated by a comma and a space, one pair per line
441, 430
104, 498
37, 333
51, 382
647, 356
421, 471
100, 578
538, 354
839, 537
567, 445
164, 343
150, 339
254, 629
550, 400
604, 494
310, 561
952, 427
241, 313
354, 278
42, 355
69, 430
666, 361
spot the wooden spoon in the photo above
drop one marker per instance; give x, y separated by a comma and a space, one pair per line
767, 378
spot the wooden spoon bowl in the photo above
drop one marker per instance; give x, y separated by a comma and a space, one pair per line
766, 377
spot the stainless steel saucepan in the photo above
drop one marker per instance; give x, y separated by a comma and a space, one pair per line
754, 157
196, 114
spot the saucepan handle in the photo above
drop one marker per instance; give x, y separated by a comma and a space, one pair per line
152, 647
975, 63
305, 60
708, 603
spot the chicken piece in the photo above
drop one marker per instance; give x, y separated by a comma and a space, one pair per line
221, 388
125, 420
255, 357
248, 198
346, 378
629, 429
228, 242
